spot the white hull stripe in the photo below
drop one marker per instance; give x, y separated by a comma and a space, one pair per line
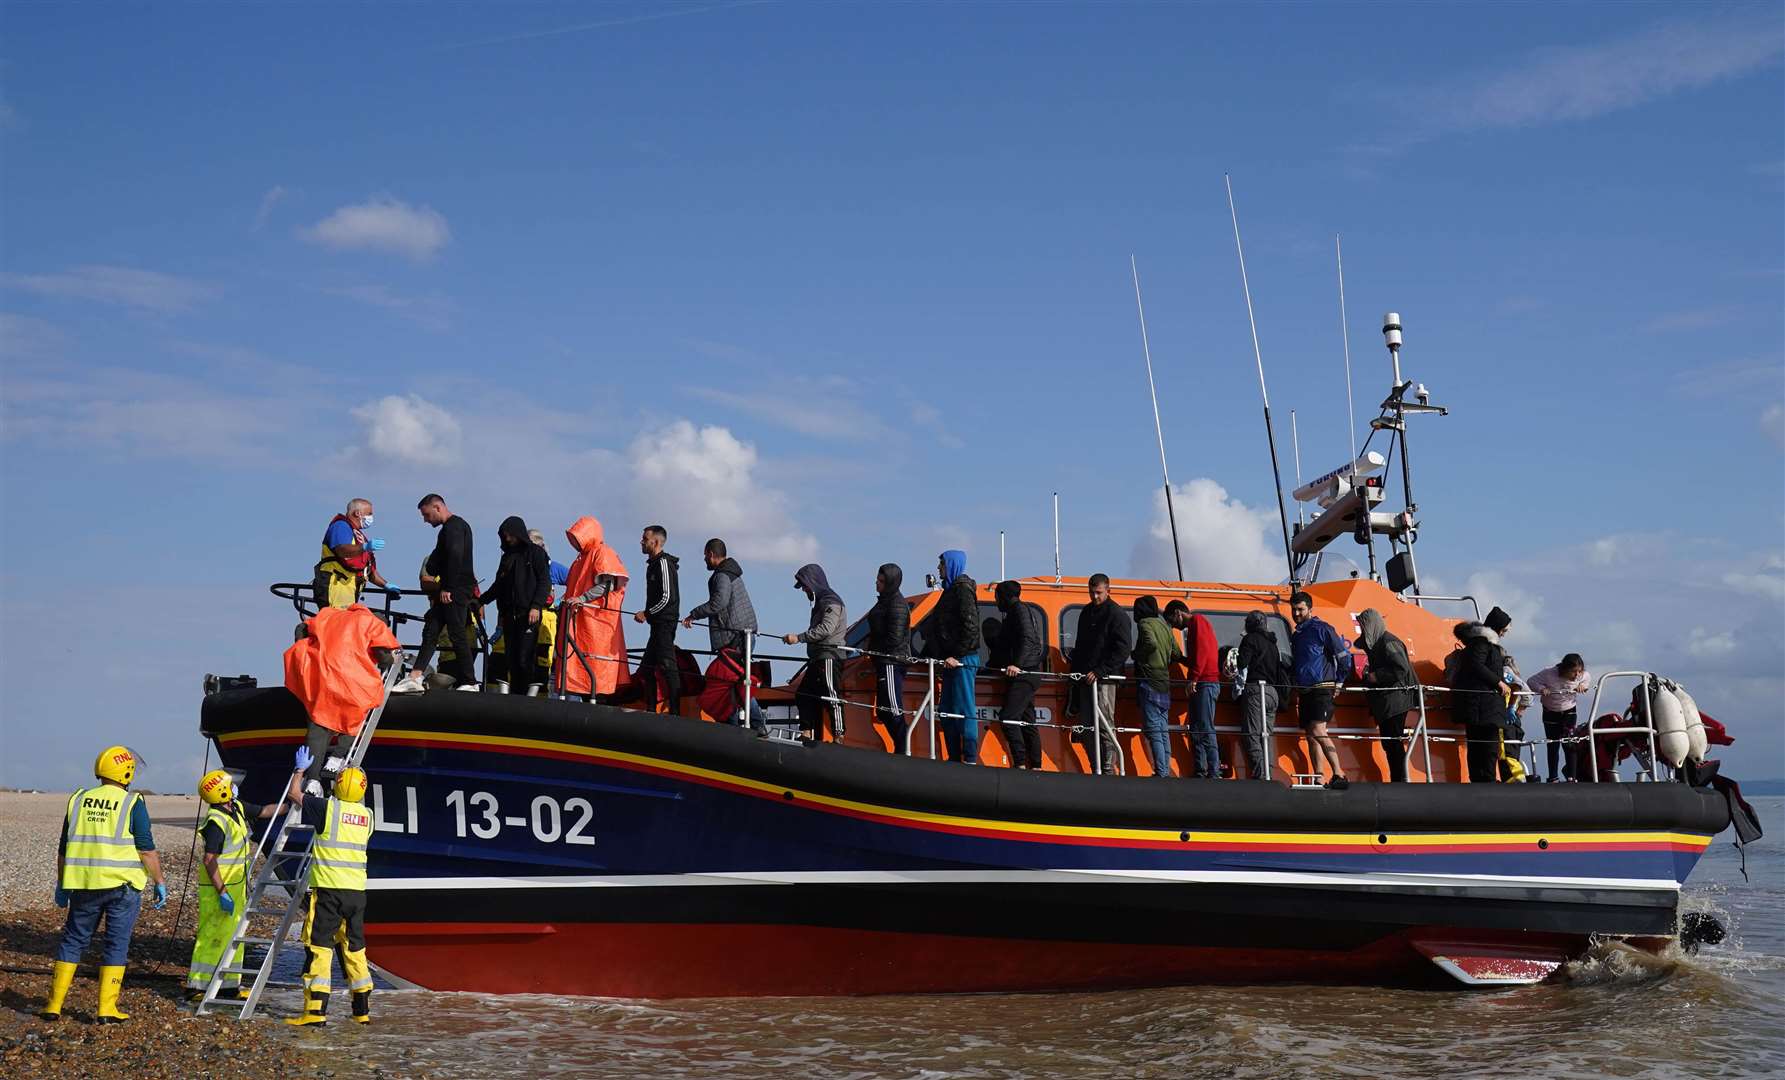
1016, 877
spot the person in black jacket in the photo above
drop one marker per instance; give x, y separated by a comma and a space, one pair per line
954, 639
1480, 692
521, 587
1020, 652
1260, 666
1100, 650
663, 608
451, 608
889, 635
1393, 697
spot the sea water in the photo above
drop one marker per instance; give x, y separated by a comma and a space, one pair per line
1618, 1013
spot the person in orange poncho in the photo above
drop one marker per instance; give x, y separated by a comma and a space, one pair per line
333, 670
589, 622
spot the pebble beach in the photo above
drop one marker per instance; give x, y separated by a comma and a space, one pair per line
162, 1038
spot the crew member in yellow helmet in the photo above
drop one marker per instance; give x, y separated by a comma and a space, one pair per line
106, 859
336, 912
223, 885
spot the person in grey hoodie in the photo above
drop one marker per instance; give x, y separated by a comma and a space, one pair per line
823, 638
728, 610
1392, 696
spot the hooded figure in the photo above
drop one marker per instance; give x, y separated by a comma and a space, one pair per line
1392, 695
889, 636
1155, 651
591, 645
1478, 699
954, 638
1020, 651
1263, 687
521, 589
823, 638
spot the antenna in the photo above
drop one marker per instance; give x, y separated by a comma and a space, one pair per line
1269, 433
1350, 412
1000, 554
1146, 350
1056, 538
1295, 440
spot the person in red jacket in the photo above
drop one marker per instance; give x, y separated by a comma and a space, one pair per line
1204, 657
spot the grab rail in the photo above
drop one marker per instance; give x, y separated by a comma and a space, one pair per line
1594, 732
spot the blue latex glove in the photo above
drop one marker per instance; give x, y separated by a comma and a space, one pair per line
375, 544
160, 895
227, 903
393, 590
302, 760
61, 896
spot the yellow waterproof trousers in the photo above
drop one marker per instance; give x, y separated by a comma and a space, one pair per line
214, 928
319, 971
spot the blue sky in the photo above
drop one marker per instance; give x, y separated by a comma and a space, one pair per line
850, 282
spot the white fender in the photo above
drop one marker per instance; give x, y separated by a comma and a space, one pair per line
1670, 725
1696, 743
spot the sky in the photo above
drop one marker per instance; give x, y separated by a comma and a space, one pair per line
851, 283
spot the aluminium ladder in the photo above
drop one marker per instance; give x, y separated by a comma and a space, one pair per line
284, 868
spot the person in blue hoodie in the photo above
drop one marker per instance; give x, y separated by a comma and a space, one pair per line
954, 639
1316, 651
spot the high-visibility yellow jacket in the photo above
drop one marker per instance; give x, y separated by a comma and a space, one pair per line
338, 854
100, 853
232, 861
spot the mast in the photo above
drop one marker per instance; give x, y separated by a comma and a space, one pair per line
1171, 514
1258, 355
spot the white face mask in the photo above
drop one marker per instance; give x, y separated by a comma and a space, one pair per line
366, 522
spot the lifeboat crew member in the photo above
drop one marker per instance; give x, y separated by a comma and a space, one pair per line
591, 648
106, 859
1317, 650
662, 610
1022, 650
521, 588
349, 558
955, 640
1100, 650
823, 638
1393, 698
223, 887
335, 915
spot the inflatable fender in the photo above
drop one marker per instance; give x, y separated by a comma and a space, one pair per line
1697, 742
1669, 723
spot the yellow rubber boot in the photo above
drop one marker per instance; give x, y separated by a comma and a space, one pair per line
59, 983
315, 1011
111, 983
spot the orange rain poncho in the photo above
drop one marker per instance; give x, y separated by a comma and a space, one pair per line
331, 669
595, 629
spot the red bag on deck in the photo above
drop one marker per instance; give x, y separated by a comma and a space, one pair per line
723, 694
331, 669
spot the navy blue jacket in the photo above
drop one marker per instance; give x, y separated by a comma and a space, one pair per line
1316, 650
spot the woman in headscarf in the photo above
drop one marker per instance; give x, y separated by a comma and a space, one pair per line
591, 645
1392, 696
823, 638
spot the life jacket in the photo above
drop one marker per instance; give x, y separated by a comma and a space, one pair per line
100, 853
338, 854
232, 861
350, 565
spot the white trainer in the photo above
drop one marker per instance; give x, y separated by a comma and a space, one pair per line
408, 685
471, 686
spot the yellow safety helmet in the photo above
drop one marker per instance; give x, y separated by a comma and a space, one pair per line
350, 786
116, 764
216, 788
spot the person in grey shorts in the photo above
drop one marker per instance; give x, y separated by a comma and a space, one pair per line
1261, 670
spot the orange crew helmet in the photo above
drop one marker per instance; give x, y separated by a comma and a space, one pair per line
216, 788
116, 764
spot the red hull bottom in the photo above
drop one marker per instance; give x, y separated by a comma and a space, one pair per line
661, 960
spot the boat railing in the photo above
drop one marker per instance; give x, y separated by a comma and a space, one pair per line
1422, 599
1593, 732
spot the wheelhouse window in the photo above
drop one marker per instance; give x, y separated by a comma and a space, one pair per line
990, 619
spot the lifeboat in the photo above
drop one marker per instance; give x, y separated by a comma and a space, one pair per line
531, 845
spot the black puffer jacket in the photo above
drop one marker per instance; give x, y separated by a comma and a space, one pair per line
954, 628
1104, 640
889, 620
1480, 668
1260, 657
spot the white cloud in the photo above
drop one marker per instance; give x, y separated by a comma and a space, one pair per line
148, 290
430, 312
1557, 84
383, 224
1704, 645
1493, 589
807, 407
1772, 422
1222, 539
1768, 581
23, 337
702, 480
409, 430
273, 197
143, 414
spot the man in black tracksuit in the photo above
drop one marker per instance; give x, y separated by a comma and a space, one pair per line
1019, 653
663, 608
452, 564
521, 587
889, 635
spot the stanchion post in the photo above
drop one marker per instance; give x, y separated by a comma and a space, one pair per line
749, 651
